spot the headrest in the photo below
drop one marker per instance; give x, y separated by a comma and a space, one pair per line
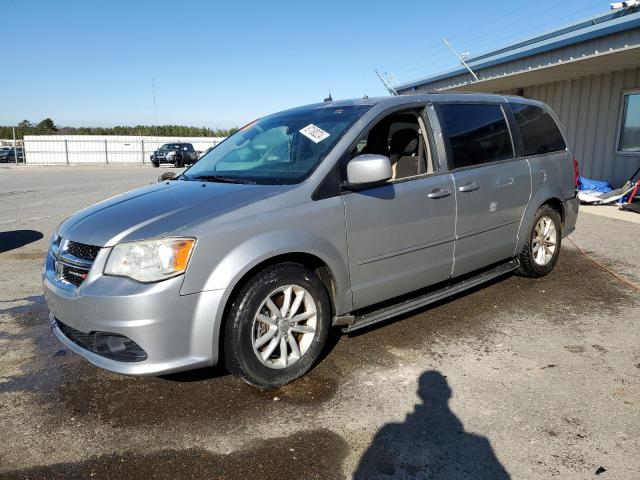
404, 142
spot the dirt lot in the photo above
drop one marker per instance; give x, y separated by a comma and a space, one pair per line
518, 379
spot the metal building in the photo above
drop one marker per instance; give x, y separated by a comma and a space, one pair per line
588, 72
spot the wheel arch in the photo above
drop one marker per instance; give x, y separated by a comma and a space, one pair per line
557, 205
542, 197
316, 264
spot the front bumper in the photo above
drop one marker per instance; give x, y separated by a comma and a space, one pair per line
159, 160
177, 332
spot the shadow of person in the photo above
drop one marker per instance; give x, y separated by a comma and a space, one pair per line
430, 444
17, 238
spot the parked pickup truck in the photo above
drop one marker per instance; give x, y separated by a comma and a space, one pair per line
180, 154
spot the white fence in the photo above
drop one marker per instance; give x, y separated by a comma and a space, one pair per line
101, 149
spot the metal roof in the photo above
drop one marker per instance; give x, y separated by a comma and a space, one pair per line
599, 26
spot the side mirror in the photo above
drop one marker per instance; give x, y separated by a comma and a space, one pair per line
368, 169
167, 176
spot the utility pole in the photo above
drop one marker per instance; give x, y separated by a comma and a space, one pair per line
460, 58
155, 111
15, 146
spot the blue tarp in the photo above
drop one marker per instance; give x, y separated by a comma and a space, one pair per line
593, 185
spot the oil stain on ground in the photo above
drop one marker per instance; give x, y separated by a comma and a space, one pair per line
315, 454
70, 387
475, 315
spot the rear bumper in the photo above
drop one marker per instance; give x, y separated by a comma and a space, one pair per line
177, 332
571, 207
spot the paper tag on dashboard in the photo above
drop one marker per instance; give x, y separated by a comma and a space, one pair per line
313, 133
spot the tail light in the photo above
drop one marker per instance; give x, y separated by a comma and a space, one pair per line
576, 172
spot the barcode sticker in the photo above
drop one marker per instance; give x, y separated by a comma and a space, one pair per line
313, 133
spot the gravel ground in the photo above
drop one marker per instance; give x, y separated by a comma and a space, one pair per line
518, 379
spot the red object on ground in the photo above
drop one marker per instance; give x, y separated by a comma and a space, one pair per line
633, 192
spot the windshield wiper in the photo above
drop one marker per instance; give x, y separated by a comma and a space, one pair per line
218, 178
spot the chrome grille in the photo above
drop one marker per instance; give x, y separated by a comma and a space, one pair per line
83, 250
74, 260
74, 275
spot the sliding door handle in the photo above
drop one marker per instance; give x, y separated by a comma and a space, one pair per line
469, 187
439, 193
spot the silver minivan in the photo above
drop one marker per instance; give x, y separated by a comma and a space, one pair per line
340, 214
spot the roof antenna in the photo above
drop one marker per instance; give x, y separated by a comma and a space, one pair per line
473, 74
329, 98
387, 80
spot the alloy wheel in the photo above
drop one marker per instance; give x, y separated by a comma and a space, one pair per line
544, 243
284, 326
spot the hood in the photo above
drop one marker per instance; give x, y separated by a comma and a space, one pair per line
162, 208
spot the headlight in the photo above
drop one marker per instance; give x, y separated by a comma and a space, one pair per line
171, 154
150, 260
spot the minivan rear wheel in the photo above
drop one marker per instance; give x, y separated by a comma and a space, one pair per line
541, 251
277, 326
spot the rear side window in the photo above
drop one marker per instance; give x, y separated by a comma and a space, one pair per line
539, 131
475, 134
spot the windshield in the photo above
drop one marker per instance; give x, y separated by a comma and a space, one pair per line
169, 146
279, 149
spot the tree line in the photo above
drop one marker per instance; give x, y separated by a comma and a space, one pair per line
48, 127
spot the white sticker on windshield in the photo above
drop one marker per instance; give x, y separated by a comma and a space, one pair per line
313, 133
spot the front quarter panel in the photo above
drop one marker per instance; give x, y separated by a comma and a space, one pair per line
225, 253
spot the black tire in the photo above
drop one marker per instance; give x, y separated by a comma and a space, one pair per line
179, 162
155, 164
528, 265
239, 355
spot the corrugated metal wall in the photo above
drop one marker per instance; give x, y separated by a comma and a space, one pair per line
590, 109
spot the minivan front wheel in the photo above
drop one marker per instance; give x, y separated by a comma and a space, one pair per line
277, 326
542, 249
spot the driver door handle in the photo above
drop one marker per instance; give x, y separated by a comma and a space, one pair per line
469, 187
439, 193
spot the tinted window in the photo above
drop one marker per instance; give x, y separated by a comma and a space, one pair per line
539, 131
475, 134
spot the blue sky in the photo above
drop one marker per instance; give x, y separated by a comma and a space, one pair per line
222, 64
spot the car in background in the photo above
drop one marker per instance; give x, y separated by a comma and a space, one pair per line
180, 154
8, 154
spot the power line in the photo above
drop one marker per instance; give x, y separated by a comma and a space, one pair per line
474, 40
492, 20
445, 59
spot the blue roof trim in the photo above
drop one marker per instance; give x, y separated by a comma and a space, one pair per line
539, 44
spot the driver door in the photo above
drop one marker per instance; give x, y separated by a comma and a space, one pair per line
400, 235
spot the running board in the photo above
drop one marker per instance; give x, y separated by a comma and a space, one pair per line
361, 321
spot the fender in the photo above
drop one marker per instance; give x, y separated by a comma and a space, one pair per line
543, 195
256, 250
